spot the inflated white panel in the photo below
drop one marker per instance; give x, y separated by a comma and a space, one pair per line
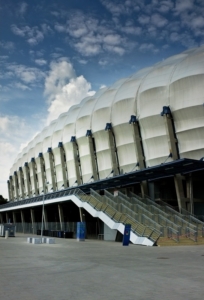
102, 115
58, 130
83, 123
56, 138
68, 132
123, 107
186, 100
153, 95
59, 166
47, 143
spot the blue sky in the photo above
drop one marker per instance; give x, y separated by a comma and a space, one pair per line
55, 53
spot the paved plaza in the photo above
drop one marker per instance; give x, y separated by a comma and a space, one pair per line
97, 270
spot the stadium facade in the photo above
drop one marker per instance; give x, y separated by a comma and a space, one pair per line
152, 117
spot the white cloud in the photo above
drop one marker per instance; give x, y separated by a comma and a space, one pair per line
27, 74
64, 89
22, 8
21, 86
40, 62
32, 34
115, 49
158, 21
144, 19
103, 62
88, 49
182, 5
148, 48
7, 45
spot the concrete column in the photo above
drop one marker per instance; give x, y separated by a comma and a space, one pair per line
27, 180
77, 166
14, 217
173, 149
11, 188
21, 183
82, 214
23, 220
32, 214
1, 218
92, 154
113, 149
139, 151
61, 216
7, 218
190, 193
33, 177
16, 186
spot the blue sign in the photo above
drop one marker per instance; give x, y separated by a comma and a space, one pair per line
126, 236
81, 229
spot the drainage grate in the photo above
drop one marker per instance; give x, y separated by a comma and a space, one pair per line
162, 258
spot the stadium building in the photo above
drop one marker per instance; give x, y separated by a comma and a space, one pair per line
143, 136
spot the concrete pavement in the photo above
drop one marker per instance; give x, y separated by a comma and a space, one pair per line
98, 270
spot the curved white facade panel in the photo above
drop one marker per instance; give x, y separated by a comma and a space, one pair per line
165, 107
59, 156
187, 102
83, 123
68, 138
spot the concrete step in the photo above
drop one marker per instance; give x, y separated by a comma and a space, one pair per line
183, 241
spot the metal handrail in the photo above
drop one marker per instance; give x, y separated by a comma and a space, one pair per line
173, 234
192, 234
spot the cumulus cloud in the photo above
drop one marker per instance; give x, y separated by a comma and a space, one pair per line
63, 88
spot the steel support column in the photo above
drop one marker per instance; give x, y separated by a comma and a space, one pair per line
139, 151
14, 217
23, 220
92, 154
61, 216
21, 183
174, 152
113, 149
33, 175
32, 214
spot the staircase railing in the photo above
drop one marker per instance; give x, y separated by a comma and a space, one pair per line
192, 234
